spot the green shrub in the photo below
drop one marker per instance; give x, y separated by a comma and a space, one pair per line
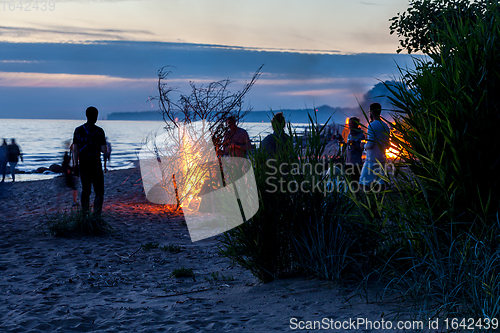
439, 221
71, 222
171, 248
216, 276
183, 272
449, 122
150, 246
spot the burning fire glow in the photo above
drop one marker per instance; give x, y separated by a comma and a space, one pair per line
175, 166
189, 157
392, 152
396, 149
193, 173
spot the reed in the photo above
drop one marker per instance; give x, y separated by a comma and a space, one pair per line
439, 219
286, 235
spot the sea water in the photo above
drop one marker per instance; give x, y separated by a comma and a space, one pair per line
44, 141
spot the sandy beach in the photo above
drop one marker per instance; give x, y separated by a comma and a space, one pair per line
110, 284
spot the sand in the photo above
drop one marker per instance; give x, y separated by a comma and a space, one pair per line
109, 284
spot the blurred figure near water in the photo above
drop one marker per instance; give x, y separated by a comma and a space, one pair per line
88, 143
107, 155
70, 179
3, 159
13, 154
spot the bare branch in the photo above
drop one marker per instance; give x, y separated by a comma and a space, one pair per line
213, 103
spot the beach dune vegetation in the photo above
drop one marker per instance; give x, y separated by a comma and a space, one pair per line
442, 210
304, 223
433, 234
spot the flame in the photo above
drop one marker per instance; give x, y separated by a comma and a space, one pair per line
395, 150
193, 174
176, 165
392, 152
345, 130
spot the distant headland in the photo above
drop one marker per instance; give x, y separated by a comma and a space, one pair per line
323, 113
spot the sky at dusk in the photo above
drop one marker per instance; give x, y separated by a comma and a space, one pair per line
58, 57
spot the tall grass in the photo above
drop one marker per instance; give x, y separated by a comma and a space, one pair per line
299, 227
440, 219
450, 120
74, 222
435, 231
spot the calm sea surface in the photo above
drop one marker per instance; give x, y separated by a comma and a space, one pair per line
42, 141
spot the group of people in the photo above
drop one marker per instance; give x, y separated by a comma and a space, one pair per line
376, 144
82, 160
237, 143
89, 141
9, 153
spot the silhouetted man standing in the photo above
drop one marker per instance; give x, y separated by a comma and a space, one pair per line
88, 143
377, 143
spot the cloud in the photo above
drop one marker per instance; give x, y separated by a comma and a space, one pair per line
81, 35
268, 49
84, 1
121, 75
318, 92
46, 80
369, 3
143, 59
315, 81
18, 61
70, 32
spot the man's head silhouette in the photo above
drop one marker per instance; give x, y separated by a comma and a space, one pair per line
375, 110
278, 122
231, 122
91, 114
